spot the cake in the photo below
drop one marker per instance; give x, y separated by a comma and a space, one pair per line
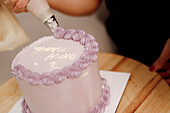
60, 74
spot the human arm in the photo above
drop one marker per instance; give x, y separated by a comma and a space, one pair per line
75, 7
162, 64
70, 7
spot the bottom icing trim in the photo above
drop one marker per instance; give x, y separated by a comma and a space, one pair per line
99, 107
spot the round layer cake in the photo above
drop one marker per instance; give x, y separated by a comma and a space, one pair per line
60, 74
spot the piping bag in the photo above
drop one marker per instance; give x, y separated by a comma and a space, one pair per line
41, 10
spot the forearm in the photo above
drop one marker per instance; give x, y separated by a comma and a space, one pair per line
75, 7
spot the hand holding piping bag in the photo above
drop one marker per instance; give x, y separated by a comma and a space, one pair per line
16, 6
38, 8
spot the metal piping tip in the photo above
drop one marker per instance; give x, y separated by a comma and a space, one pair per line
52, 23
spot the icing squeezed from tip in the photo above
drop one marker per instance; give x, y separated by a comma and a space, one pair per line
52, 23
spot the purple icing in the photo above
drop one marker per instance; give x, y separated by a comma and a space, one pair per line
25, 108
68, 72
99, 107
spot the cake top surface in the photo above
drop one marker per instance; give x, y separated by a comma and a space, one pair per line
53, 59
48, 54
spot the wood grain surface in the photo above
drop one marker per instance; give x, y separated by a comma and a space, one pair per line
146, 92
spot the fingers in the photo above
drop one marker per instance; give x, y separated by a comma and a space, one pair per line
165, 55
16, 6
166, 66
161, 65
20, 6
165, 74
168, 81
10, 3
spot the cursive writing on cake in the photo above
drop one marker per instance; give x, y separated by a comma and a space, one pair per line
55, 52
49, 49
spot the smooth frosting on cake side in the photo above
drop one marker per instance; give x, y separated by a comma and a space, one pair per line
60, 74
79, 95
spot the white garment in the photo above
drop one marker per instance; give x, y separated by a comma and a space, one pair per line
12, 34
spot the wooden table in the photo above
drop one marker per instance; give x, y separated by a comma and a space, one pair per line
146, 91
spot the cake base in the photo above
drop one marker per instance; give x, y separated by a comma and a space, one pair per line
117, 82
99, 107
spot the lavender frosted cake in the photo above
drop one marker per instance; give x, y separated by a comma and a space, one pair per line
60, 74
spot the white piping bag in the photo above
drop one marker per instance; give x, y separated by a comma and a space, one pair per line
41, 10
